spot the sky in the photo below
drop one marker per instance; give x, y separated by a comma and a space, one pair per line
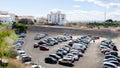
75, 10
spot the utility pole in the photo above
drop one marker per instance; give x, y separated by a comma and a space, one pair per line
105, 13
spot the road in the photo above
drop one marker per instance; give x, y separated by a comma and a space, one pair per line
92, 57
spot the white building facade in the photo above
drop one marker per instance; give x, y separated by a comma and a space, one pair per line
6, 18
56, 18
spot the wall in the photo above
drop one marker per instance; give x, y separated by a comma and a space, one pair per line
58, 30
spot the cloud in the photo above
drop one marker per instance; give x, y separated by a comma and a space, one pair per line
103, 3
106, 3
115, 15
82, 15
76, 6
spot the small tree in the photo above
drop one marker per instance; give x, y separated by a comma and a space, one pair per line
26, 21
109, 21
20, 27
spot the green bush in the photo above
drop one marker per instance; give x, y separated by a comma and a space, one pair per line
104, 24
20, 27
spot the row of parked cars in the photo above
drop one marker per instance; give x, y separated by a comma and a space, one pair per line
22, 56
69, 53
51, 41
109, 49
19, 42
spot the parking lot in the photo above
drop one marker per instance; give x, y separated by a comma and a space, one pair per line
92, 58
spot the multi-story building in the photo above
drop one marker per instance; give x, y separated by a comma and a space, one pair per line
6, 18
56, 18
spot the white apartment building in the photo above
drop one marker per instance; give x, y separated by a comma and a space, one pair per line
6, 18
56, 18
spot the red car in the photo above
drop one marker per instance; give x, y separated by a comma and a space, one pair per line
44, 48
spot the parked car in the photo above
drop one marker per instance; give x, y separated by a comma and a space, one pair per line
42, 42
115, 53
109, 65
50, 60
36, 66
76, 57
21, 52
50, 43
20, 56
36, 45
110, 56
78, 45
52, 40
18, 46
69, 57
62, 50
22, 35
66, 48
79, 49
39, 36
106, 42
19, 41
112, 60
105, 50
65, 61
79, 54
59, 39
55, 56
26, 59
44, 48
60, 54
71, 43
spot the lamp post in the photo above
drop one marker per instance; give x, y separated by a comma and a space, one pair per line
105, 13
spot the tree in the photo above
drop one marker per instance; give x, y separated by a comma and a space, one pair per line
26, 21
109, 21
20, 28
3, 43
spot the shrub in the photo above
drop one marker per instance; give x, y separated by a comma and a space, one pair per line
13, 63
19, 28
12, 52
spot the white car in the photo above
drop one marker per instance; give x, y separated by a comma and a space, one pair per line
19, 57
76, 58
21, 52
79, 46
28, 62
36, 66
